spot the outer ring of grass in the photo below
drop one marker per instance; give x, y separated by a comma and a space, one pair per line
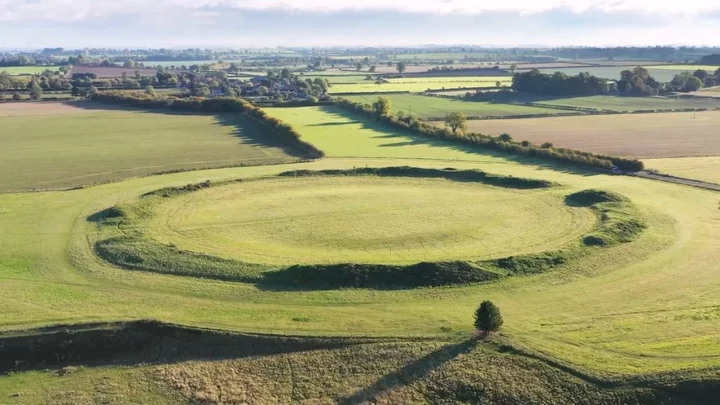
136, 251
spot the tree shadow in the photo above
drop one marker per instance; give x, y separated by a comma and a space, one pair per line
247, 131
412, 372
144, 342
400, 138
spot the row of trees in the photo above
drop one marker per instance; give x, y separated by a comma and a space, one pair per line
381, 110
559, 84
639, 82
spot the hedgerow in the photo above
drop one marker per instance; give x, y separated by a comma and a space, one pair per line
488, 142
450, 174
277, 128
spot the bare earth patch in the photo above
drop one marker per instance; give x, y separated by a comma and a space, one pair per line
634, 135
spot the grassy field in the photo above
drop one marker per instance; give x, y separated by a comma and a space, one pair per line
44, 139
625, 312
27, 70
698, 168
642, 135
630, 103
367, 220
421, 84
438, 107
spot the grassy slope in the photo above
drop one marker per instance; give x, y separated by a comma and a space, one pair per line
437, 107
392, 372
93, 146
699, 168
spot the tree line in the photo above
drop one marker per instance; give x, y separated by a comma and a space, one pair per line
559, 84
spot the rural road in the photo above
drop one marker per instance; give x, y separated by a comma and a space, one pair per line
678, 180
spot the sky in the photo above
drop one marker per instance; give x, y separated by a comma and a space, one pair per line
28, 24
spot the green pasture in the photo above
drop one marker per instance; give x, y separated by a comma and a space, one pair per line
56, 145
26, 70
367, 220
438, 107
635, 312
421, 84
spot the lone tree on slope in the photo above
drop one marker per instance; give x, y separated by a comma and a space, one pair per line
401, 66
488, 318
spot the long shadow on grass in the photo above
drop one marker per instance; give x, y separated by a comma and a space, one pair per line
143, 342
399, 138
412, 372
247, 131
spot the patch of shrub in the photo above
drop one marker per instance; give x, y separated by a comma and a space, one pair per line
276, 127
587, 198
449, 174
377, 276
531, 264
173, 191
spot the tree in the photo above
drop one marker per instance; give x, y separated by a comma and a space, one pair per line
456, 121
35, 92
263, 91
506, 138
382, 107
488, 318
498, 84
93, 91
390, 64
401, 66
547, 145
150, 90
693, 84
701, 74
2, 97
513, 68
372, 69
16, 97
358, 66
285, 73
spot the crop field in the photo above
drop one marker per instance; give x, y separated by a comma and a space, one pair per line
697, 168
258, 249
631, 103
41, 140
639, 135
421, 84
438, 107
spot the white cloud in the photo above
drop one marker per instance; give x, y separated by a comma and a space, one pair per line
58, 10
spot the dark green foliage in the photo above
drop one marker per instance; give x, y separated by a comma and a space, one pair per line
559, 84
450, 174
531, 264
276, 127
560, 155
488, 318
377, 276
590, 197
173, 191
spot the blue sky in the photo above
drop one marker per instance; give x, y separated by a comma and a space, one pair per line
260, 23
